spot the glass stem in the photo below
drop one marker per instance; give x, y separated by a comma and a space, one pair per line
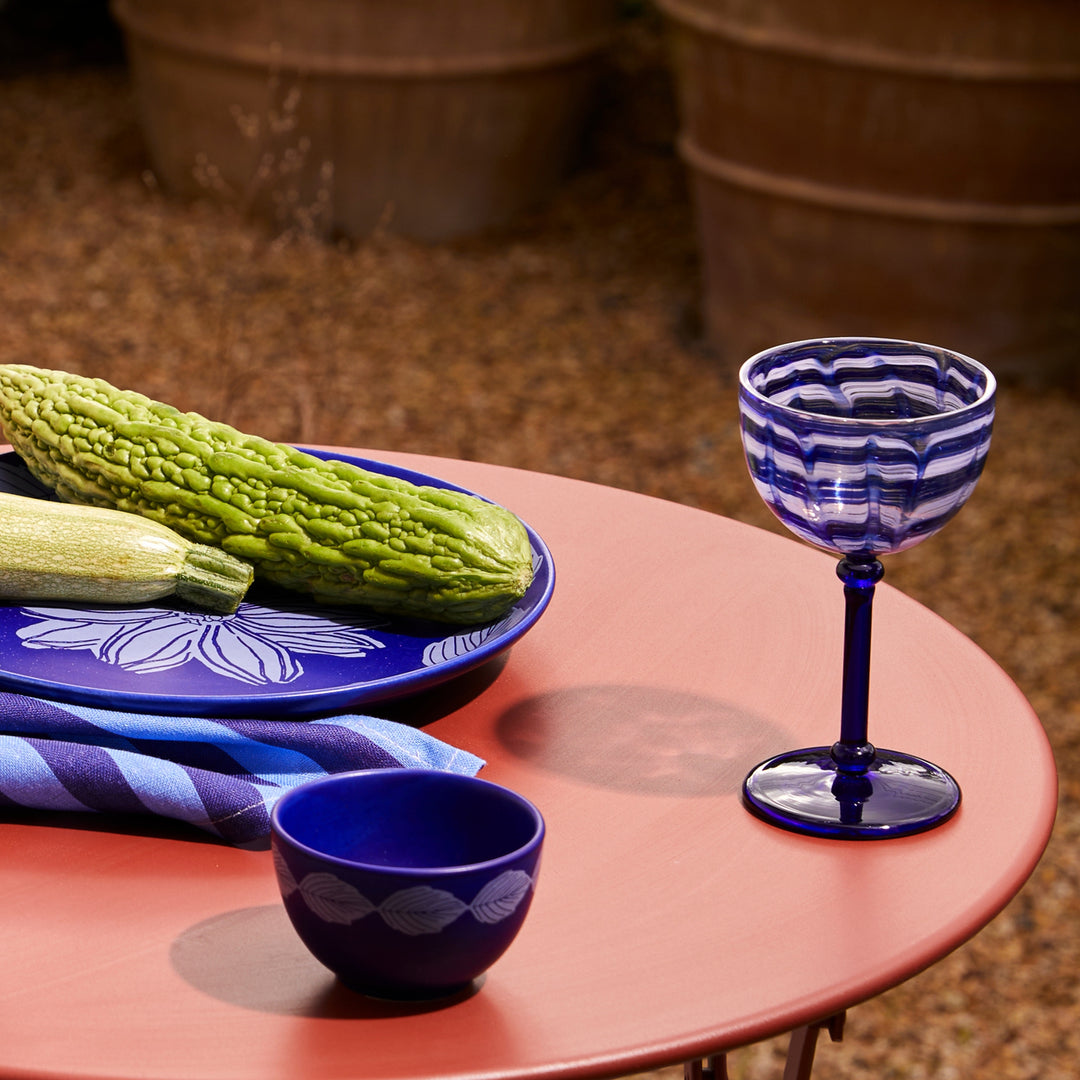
854, 753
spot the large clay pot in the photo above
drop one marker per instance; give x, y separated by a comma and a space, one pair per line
906, 168
429, 117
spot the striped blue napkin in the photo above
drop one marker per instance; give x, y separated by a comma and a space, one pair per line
223, 776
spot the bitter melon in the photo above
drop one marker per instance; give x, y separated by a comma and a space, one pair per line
344, 534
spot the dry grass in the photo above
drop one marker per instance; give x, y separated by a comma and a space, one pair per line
567, 343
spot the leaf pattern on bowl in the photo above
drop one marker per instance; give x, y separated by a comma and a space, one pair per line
499, 898
417, 910
421, 910
334, 900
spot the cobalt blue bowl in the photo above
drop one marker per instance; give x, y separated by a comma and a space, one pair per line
406, 883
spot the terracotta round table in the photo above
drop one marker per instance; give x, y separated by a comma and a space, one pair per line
680, 648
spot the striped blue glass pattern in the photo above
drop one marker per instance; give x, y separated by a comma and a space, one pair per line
865, 446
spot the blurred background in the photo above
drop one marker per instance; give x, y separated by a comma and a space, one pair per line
550, 245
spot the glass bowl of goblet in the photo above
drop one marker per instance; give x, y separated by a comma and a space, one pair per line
863, 447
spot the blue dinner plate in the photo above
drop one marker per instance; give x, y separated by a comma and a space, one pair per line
280, 654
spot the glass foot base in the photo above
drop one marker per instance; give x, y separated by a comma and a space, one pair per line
805, 792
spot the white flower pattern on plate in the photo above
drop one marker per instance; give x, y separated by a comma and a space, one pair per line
257, 645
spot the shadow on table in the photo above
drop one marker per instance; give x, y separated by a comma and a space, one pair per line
645, 739
251, 957
148, 825
425, 707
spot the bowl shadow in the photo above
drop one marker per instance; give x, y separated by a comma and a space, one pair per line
252, 958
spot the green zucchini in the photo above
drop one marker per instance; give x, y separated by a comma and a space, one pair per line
57, 551
329, 528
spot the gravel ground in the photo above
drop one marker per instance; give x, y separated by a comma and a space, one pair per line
567, 343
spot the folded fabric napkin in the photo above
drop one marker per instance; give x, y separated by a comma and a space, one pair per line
222, 775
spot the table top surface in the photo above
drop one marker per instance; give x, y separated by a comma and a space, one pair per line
680, 648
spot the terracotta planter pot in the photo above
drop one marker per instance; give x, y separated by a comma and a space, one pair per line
901, 169
433, 118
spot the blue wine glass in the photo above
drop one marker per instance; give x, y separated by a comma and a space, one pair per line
863, 447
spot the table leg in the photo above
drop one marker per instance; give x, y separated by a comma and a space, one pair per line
800, 1059
713, 1067
800, 1056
